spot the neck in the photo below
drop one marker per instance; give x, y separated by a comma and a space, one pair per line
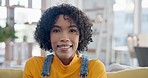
67, 61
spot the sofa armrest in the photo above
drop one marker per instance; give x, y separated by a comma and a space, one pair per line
140, 72
11, 73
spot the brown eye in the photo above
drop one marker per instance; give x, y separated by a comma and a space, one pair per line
55, 30
72, 30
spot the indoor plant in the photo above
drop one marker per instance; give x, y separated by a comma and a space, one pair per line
7, 34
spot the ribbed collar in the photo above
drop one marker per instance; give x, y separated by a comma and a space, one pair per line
74, 64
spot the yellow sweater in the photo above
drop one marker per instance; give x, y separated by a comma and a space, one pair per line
33, 68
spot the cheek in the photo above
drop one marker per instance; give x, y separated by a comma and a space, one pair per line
76, 39
53, 39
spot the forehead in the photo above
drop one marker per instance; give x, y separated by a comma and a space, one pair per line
64, 19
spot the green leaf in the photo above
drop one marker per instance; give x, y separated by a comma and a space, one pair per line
6, 33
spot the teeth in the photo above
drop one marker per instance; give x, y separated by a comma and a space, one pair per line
63, 46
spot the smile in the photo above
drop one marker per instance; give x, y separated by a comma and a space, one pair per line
64, 46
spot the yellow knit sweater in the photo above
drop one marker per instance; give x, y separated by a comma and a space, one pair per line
33, 68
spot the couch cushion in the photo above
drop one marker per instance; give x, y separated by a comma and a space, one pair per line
11, 73
140, 72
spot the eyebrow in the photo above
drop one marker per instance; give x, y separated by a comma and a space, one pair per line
73, 25
57, 26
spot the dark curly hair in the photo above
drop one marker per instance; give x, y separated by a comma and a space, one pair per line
48, 19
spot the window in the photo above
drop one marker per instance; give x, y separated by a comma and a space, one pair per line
3, 16
36, 4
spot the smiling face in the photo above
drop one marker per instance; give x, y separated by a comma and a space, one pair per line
64, 37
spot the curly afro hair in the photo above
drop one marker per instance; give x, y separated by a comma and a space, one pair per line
48, 19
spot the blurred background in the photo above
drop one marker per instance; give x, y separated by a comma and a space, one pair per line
120, 30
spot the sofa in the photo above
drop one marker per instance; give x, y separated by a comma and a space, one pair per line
11, 73
140, 72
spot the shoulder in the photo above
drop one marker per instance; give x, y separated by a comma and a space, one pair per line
95, 67
95, 62
33, 67
35, 59
34, 63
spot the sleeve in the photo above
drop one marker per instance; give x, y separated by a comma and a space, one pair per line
103, 75
27, 70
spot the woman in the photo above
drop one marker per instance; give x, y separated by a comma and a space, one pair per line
66, 31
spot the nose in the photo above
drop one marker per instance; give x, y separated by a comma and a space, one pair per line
64, 37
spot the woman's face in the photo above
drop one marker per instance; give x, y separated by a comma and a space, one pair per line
64, 37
